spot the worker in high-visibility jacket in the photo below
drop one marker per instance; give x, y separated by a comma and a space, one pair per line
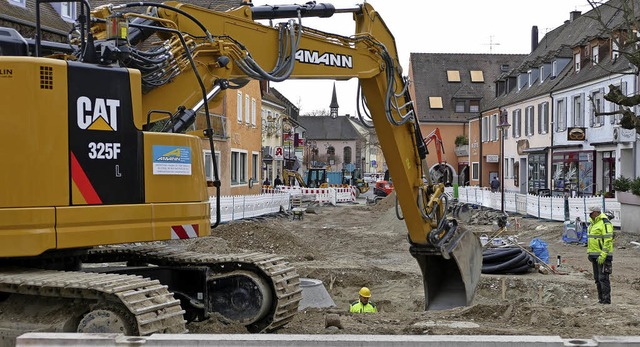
600, 251
363, 304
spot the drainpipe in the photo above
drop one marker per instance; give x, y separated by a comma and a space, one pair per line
635, 143
479, 150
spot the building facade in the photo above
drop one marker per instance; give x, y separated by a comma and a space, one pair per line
449, 91
558, 143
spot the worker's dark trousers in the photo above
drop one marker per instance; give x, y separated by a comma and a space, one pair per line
601, 276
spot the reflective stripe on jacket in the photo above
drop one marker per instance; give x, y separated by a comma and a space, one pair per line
358, 307
600, 236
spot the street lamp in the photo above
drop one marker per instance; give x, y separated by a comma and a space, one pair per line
503, 126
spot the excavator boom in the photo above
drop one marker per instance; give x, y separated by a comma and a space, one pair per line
107, 116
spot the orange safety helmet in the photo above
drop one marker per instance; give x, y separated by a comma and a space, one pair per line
365, 292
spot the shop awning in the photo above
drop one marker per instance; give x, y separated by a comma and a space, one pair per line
566, 147
535, 150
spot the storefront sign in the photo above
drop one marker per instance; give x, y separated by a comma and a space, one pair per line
278, 153
522, 146
624, 135
576, 134
493, 158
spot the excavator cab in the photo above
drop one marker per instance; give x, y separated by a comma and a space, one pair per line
317, 178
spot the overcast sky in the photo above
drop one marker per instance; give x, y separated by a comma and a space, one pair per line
433, 26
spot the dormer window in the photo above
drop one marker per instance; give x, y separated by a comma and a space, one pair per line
576, 61
477, 76
594, 54
554, 69
542, 74
453, 75
529, 78
474, 106
21, 3
435, 102
67, 10
614, 51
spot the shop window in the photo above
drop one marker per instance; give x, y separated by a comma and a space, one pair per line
537, 173
573, 173
608, 171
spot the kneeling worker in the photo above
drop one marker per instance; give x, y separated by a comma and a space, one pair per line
363, 304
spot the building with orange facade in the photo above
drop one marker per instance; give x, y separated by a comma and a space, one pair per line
449, 91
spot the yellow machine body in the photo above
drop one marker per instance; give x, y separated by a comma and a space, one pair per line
52, 195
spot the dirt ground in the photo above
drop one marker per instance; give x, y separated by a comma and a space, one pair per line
350, 246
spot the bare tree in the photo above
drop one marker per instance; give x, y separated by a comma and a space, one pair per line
318, 113
622, 29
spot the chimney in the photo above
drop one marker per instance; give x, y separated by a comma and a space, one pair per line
534, 38
573, 15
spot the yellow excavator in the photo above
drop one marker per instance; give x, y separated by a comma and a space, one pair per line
95, 154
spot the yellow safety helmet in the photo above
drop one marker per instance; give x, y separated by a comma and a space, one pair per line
365, 292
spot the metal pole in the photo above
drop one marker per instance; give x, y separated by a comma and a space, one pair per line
502, 169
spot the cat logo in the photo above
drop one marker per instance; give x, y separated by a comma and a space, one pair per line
98, 114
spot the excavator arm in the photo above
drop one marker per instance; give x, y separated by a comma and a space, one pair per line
226, 49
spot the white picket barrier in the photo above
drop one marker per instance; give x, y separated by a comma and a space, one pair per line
613, 205
248, 206
521, 204
510, 202
532, 206
543, 207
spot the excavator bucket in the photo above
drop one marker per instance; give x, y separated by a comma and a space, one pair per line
451, 274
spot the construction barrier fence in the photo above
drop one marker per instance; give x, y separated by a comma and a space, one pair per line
249, 206
273, 200
558, 208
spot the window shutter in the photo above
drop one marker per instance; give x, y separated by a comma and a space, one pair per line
592, 107
540, 106
583, 107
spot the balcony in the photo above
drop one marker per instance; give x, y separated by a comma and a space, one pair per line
462, 151
219, 126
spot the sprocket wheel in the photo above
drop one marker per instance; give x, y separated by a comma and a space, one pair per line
108, 319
